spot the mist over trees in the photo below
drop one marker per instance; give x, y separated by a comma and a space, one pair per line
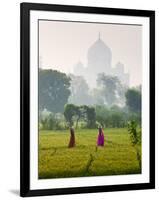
68, 100
112, 91
109, 91
79, 91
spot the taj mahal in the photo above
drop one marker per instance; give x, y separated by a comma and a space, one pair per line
99, 60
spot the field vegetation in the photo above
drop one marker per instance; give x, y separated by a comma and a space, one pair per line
117, 157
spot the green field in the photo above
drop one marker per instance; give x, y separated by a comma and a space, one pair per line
56, 160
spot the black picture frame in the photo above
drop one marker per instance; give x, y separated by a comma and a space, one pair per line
25, 9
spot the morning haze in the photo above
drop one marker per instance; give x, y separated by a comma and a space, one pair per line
62, 45
90, 117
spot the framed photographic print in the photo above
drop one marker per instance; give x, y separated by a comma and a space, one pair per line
87, 99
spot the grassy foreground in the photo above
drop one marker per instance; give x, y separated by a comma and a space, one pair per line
56, 160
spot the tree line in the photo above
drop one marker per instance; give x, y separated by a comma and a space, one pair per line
69, 102
88, 117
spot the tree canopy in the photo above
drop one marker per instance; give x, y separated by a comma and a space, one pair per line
75, 113
53, 90
133, 100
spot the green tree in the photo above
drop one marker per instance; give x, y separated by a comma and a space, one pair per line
80, 113
70, 110
111, 116
118, 116
117, 119
133, 100
75, 113
91, 117
53, 90
102, 115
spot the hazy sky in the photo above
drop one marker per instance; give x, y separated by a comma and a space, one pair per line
63, 44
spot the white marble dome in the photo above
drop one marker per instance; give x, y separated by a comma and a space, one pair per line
99, 55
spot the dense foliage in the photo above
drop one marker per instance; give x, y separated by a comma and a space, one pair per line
133, 100
53, 90
67, 100
88, 117
85, 113
135, 136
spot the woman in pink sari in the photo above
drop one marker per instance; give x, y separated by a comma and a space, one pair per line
100, 139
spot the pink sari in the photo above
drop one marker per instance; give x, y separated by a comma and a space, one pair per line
100, 140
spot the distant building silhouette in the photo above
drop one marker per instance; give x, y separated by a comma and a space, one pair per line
79, 69
99, 60
119, 72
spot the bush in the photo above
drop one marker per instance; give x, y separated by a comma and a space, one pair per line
135, 117
102, 116
111, 117
135, 136
52, 122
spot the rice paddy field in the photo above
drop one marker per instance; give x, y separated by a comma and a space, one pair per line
56, 160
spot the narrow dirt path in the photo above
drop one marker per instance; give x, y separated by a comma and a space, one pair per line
90, 161
53, 153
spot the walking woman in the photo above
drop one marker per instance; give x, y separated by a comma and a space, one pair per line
72, 138
100, 139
